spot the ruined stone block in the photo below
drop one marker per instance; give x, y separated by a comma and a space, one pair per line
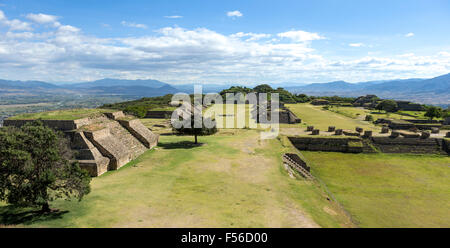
115, 115
310, 128
434, 130
385, 130
447, 135
331, 129
425, 135
395, 134
315, 132
407, 134
351, 133
359, 129
368, 134
338, 132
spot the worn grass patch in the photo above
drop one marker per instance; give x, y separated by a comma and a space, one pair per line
388, 190
322, 119
232, 180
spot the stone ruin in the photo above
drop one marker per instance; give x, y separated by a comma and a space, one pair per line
368, 101
102, 142
320, 102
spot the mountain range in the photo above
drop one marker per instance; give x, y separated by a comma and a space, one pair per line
430, 91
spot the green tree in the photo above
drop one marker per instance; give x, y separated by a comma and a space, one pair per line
433, 112
387, 105
263, 88
35, 167
204, 130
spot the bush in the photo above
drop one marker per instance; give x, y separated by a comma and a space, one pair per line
369, 118
35, 167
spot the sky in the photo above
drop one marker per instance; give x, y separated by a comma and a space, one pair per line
223, 42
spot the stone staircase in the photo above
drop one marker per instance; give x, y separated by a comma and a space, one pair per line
297, 164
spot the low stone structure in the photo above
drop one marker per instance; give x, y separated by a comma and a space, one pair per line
368, 134
395, 134
320, 102
384, 129
331, 129
414, 145
409, 106
159, 114
409, 145
369, 101
407, 134
309, 128
102, 142
338, 132
359, 129
294, 162
328, 144
434, 130
288, 117
425, 135
447, 121
315, 132
351, 133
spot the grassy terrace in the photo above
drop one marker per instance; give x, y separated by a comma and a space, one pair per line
70, 114
233, 180
380, 190
387, 190
322, 119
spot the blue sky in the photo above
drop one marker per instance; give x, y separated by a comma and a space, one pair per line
224, 41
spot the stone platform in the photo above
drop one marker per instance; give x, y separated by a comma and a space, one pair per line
102, 142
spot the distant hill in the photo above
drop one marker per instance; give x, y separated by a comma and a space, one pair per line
109, 82
7, 84
430, 91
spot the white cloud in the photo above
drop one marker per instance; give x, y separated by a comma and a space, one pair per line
42, 18
409, 35
180, 55
133, 25
14, 24
235, 13
2, 16
356, 44
173, 17
251, 36
68, 28
300, 36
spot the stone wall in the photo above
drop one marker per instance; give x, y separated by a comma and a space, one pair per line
287, 117
408, 106
159, 114
328, 144
408, 145
61, 125
447, 121
373, 144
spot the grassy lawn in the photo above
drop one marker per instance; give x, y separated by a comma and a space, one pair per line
381, 190
322, 119
232, 115
360, 113
233, 180
69, 114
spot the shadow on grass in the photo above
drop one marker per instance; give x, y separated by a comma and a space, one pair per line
179, 145
12, 215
